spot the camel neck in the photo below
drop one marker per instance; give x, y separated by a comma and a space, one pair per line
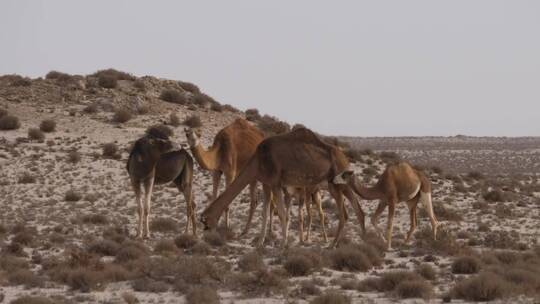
206, 159
368, 193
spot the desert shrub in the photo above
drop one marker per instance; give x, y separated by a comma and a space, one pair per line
202, 295
483, 287
163, 224
190, 87
25, 277
427, 272
174, 120
10, 263
19, 81
74, 156
207, 271
503, 211
91, 108
47, 125
193, 121
26, 178
122, 115
8, 122
508, 257
72, 196
309, 288
446, 242
349, 258
466, 265
160, 131
165, 246
96, 219
23, 237
272, 126
36, 134
203, 100
214, 238
104, 247
501, 240
59, 76
388, 156
260, 282
107, 81
82, 279
118, 75
251, 261
444, 213
253, 114
229, 108
185, 241
174, 96
476, 175
331, 297
414, 289
495, 196
131, 251
298, 265
149, 285
216, 107
110, 150
139, 84
3, 112
32, 300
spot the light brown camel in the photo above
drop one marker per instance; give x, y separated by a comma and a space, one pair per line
150, 162
399, 182
297, 159
232, 148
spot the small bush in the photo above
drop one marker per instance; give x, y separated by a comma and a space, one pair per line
107, 81
95, 219
90, 109
190, 87
331, 297
9, 122
74, 157
3, 112
414, 289
272, 126
203, 100
104, 247
173, 96
483, 287
59, 76
26, 178
216, 107
427, 272
72, 196
25, 277
202, 295
119, 75
131, 251
149, 285
185, 241
298, 265
122, 115
251, 261
32, 300
466, 265
253, 114
165, 246
214, 238
47, 125
139, 84
174, 120
495, 196
193, 121
110, 150
36, 134
349, 258
160, 131
19, 81
163, 224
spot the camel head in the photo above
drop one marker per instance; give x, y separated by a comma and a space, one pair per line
344, 178
155, 146
193, 137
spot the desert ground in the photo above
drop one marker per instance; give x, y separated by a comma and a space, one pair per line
68, 217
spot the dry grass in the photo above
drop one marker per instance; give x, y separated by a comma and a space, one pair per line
104, 247
73, 157
193, 121
149, 285
214, 238
26, 178
301, 262
174, 96
331, 297
122, 116
466, 265
107, 81
47, 125
427, 271
349, 258
36, 134
414, 289
32, 300
190, 87
160, 131
251, 261
25, 277
202, 295
174, 120
72, 196
185, 241
110, 150
164, 224
483, 287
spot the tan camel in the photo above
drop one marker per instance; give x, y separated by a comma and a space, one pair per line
296, 159
399, 182
232, 148
150, 162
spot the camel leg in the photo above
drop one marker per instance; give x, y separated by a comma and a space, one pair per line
301, 203
338, 196
252, 206
308, 203
216, 178
317, 200
228, 180
137, 189
428, 204
190, 208
375, 217
412, 213
148, 187
390, 223
356, 205
266, 208
278, 195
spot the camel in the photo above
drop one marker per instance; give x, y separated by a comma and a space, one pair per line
295, 159
151, 162
399, 182
232, 148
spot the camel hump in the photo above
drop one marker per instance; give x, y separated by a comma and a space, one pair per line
241, 122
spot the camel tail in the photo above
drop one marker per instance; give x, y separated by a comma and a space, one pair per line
210, 216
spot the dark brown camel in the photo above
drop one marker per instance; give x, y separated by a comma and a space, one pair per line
150, 162
296, 159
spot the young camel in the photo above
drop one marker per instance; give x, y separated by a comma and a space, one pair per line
232, 148
150, 162
399, 182
296, 159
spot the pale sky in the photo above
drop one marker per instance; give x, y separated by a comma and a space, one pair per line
359, 68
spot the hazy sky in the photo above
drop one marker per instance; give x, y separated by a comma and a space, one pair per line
340, 67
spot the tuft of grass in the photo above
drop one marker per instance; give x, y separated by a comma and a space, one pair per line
349, 258
104, 247
193, 121
165, 246
150, 285
251, 261
414, 289
483, 287
174, 120
32, 300
131, 251
107, 81
9, 122
466, 265
202, 295
72, 196
122, 115
190, 87
163, 224
25, 277
118, 75
496, 195
73, 157
36, 134
26, 178
110, 150
427, 272
214, 238
96, 219
160, 131
90, 109
47, 125
331, 297
185, 241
